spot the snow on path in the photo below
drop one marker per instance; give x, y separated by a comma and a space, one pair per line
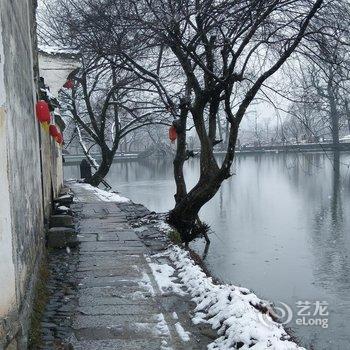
105, 195
162, 274
233, 311
184, 335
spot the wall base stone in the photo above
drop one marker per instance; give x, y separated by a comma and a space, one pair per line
61, 237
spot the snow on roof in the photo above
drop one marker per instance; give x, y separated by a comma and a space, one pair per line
57, 50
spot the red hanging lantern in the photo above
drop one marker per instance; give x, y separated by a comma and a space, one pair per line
43, 111
68, 84
172, 133
59, 138
53, 130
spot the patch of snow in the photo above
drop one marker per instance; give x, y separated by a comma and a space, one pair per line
164, 345
65, 196
63, 207
54, 50
146, 283
138, 295
232, 311
174, 315
163, 276
136, 268
162, 327
140, 229
163, 226
105, 195
184, 335
148, 327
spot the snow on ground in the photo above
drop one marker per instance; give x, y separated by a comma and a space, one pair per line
184, 335
163, 226
146, 283
105, 195
162, 327
233, 311
63, 208
162, 274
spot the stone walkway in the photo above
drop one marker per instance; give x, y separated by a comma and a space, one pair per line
118, 303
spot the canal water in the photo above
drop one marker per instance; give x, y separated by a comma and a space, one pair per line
281, 227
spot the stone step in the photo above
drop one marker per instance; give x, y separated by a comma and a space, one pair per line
61, 237
61, 220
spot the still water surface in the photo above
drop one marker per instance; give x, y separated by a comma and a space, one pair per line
281, 228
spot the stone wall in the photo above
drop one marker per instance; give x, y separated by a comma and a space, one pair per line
27, 159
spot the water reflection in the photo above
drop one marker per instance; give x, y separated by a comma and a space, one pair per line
280, 228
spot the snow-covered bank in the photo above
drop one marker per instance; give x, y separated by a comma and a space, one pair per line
105, 195
233, 311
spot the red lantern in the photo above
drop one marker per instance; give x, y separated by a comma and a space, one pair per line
59, 138
53, 130
172, 133
68, 84
42, 112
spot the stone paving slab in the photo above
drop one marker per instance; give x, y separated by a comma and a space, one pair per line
111, 267
96, 271
127, 331
100, 320
125, 309
113, 281
87, 237
122, 235
114, 300
104, 246
118, 344
117, 302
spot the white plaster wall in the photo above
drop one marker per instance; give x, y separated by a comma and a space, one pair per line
7, 269
55, 69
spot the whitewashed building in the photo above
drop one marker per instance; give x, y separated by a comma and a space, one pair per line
30, 169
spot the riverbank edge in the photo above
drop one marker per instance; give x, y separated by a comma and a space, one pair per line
165, 231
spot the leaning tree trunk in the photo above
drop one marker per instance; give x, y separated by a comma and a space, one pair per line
102, 171
180, 156
185, 214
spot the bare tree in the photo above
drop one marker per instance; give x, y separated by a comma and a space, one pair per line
107, 104
306, 119
324, 75
204, 58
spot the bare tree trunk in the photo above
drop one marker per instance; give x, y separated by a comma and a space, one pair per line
227, 134
347, 113
333, 110
183, 217
180, 156
102, 171
220, 133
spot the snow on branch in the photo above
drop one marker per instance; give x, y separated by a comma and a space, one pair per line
91, 159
